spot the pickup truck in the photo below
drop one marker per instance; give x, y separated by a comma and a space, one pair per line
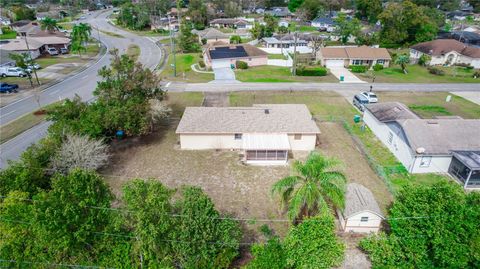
12, 72
8, 88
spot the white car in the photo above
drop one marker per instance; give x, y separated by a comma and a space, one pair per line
12, 72
371, 96
52, 51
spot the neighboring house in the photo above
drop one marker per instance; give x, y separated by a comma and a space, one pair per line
231, 23
49, 14
34, 29
473, 29
446, 52
36, 45
362, 213
5, 59
265, 133
211, 35
280, 12
324, 24
441, 145
281, 42
283, 23
224, 55
346, 56
5, 21
467, 37
163, 23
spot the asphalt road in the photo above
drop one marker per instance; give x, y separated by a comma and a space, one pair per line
81, 84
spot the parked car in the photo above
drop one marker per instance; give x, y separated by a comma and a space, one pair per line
8, 88
360, 101
32, 67
371, 96
63, 50
52, 51
12, 72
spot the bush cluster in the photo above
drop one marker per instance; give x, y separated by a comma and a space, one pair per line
241, 65
358, 68
476, 74
312, 72
201, 63
436, 71
377, 67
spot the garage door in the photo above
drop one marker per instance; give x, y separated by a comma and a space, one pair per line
335, 63
220, 63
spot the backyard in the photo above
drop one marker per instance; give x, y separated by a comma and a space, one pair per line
420, 74
184, 70
269, 73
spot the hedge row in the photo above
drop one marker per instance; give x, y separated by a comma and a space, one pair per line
358, 68
312, 72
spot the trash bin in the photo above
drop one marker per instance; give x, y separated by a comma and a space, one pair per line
342, 78
120, 134
232, 66
356, 118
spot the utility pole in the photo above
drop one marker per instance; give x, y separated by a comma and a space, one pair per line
30, 59
294, 64
172, 45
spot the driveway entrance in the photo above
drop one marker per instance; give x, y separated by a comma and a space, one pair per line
348, 77
223, 71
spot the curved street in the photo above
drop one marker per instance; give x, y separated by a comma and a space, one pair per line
81, 84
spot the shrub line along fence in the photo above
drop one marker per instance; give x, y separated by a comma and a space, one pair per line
380, 170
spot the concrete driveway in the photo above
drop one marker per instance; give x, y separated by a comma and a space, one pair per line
223, 75
348, 77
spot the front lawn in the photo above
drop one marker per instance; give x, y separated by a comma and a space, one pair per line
184, 70
301, 28
420, 74
276, 57
270, 73
8, 34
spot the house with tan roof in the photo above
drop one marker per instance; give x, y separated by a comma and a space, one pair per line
446, 52
211, 35
346, 56
37, 45
219, 54
449, 145
264, 133
235, 23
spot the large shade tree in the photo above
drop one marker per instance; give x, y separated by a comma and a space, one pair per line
317, 183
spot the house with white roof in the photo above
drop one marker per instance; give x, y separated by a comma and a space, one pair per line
441, 145
263, 133
361, 213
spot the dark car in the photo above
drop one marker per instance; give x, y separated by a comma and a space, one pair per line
5, 87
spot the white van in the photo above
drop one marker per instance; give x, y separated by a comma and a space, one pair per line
12, 72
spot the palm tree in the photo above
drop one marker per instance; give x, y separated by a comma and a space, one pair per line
80, 36
49, 24
316, 184
403, 60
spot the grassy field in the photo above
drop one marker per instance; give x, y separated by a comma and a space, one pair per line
133, 51
276, 57
428, 105
184, 70
419, 74
268, 73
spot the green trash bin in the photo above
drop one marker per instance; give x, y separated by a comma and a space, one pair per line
342, 78
356, 118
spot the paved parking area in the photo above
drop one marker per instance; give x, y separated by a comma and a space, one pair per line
348, 76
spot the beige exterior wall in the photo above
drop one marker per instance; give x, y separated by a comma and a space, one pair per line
456, 58
354, 223
209, 41
438, 164
227, 141
251, 61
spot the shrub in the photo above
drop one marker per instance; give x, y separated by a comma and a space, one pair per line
235, 39
476, 74
241, 65
467, 66
377, 67
310, 72
436, 71
358, 68
423, 60
201, 63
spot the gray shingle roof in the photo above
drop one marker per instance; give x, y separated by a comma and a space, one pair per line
390, 111
289, 118
358, 199
212, 33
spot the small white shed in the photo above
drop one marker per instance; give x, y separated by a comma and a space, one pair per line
362, 213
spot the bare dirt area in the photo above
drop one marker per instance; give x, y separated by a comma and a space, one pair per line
336, 142
354, 257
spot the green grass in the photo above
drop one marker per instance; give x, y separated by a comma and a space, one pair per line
301, 28
133, 51
8, 34
23, 123
184, 70
276, 57
268, 73
226, 30
420, 74
428, 109
112, 34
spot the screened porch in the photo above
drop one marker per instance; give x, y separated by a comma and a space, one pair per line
465, 167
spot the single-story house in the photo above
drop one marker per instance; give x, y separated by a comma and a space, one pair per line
346, 56
265, 133
224, 55
446, 52
468, 37
281, 42
441, 145
324, 23
37, 45
283, 23
362, 213
231, 23
280, 12
211, 35
473, 29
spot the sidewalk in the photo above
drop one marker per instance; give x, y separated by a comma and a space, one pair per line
470, 96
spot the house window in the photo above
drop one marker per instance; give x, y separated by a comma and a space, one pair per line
380, 61
364, 219
425, 161
357, 62
297, 136
238, 136
390, 138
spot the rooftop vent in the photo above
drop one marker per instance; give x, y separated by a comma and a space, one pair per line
267, 111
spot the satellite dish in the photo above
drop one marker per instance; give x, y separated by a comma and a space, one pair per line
420, 150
